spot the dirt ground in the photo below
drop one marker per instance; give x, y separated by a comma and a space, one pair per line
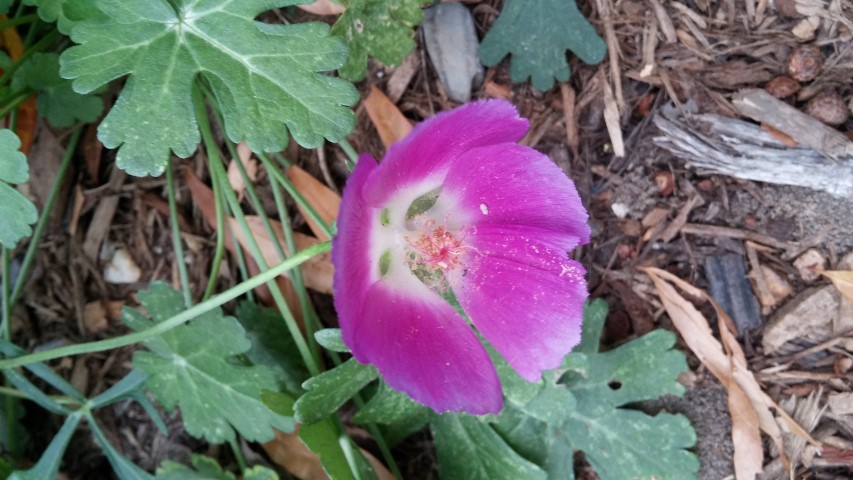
660, 54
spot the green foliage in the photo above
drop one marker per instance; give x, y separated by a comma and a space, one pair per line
264, 76
66, 13
206, 468
17, 212
379, 28
56, 100
324, 439
331, 389
469, 448
48, 464
580, 407
194, 365
398, 415
537, 33
330, 339
4, 6
272, 345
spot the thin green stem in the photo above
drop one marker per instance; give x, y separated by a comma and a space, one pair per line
309, 316
29, 52
177, 320
14, 393
352, 156
6, 326
12, 22
238, 453
13, 101
219, 251
285, 182
241, 261
10, 402
45, 214
177, 246
215, 163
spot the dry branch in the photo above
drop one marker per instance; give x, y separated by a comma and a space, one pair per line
726, 146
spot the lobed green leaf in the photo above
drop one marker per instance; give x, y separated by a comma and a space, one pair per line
266, 77
194, 366
17, 212
537, 34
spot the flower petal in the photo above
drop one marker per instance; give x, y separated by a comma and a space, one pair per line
351, 245
525, 297
423, 348
521, 189
430, 149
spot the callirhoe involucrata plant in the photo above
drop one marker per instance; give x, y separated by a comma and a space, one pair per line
461, 311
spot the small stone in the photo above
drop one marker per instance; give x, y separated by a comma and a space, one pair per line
787, 8
828, 107
122, 269
809, 264
665, 183
451, 42
805, 63
782, 86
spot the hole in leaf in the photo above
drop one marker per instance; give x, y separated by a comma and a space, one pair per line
615, 385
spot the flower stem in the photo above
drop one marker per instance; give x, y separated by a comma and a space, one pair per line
177, 247
219, 251
215, 163
177, 320
12, 22
351, 153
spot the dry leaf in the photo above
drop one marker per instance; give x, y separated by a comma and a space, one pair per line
235, 178
317, 272
728, 363
288, 451
389, 121
843, 281
324, 200
323, 7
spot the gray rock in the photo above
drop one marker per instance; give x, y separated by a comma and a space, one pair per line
451, 42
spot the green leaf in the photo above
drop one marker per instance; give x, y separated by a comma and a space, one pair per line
323, 438
17, 212
194, 365
203, 468
330, 339
259, 472
48, 464
4, 6
264, 76
66, 13
329, 390
382, 29
272, 345
56, 100
123, 468
643, 369
469, 448
537, 34
390, 406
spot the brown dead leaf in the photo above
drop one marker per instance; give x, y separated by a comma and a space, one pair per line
389, 121
779, 135
843, 281
235, 178
288, 451
324, 200
323, 7
317, 272
749, 406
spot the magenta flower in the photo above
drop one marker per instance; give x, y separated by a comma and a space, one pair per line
458, 209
